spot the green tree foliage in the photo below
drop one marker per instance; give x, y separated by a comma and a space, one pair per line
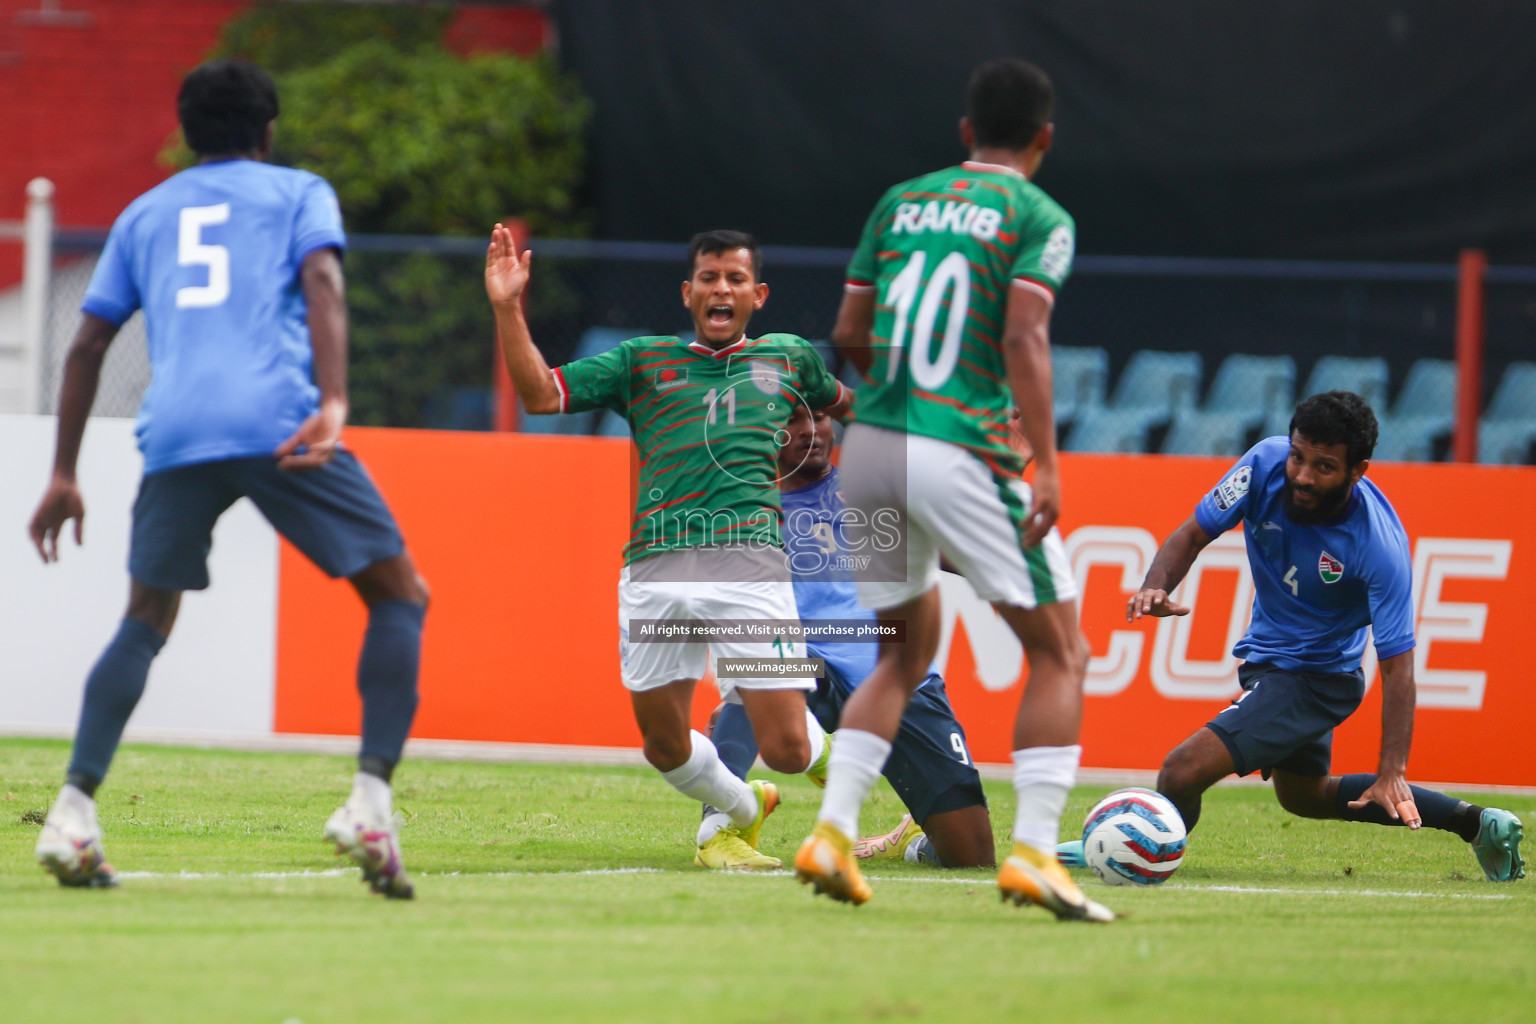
286, 36
432, 143
417, 140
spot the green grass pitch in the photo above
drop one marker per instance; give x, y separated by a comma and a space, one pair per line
567, 893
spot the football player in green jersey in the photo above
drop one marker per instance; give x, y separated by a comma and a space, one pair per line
946, 311
708, 418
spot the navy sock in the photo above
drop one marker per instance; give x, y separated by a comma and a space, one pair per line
1436, 809
734, 739
386, 678
112, 691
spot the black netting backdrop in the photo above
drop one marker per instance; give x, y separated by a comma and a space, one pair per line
1142, 344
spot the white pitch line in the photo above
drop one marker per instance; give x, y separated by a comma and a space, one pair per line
1244, 889
198, 876
916, 880
1345, 892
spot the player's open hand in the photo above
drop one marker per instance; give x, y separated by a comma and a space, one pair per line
1392, 793
1045, 505
1152, 602
60, 504
319, 437
506, 274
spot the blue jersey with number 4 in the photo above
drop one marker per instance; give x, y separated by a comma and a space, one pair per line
1317, 586
212, 256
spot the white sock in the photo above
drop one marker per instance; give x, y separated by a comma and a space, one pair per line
1042, 778
818, 738
711, 824
706, 778
73, 798
855, 764
916, 850
375, 793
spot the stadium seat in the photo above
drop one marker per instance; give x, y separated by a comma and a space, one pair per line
1505, 442
1196, 432
1079, 377
1112, 430
1425, 410
1254, 387
1158, 384
1429, 390
1515, 398
1409, 438
1365, 377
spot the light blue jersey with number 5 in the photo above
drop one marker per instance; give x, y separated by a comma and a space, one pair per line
212, 256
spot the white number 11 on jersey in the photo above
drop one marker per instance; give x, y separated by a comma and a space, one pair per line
191, 252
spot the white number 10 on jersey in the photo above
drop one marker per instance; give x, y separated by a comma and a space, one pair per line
929, 372
191, 252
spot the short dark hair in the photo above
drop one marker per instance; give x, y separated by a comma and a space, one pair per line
1338, 417
712, 243
225, 107
1008, 102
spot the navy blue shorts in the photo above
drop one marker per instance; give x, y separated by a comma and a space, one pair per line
930, 765
334, 514
1285, 719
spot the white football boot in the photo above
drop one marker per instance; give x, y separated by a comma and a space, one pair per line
70, 845
367, 836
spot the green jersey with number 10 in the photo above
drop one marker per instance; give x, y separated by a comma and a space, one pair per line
942, 252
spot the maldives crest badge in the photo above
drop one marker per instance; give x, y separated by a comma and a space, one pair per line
1330, 568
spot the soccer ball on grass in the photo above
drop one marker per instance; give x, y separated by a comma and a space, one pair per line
1134, 837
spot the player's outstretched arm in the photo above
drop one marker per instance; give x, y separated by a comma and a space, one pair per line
325, 296
506, 275
855, 321
1027, 355
1169, 568
62, 501
1390, 789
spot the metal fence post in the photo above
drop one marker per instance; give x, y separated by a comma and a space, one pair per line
1469, 354
37, 268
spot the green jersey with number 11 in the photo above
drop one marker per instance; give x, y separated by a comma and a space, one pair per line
708, 425
942, 252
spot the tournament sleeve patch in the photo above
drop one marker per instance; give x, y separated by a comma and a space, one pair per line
1056, 258
1234, 488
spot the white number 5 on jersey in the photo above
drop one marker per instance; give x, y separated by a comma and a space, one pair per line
191, 252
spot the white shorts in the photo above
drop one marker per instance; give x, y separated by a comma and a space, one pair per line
942, 499
730, 583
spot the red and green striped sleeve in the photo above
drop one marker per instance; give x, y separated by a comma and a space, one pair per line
597, 382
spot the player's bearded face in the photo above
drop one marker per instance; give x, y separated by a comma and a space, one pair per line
722, 295
1317, 480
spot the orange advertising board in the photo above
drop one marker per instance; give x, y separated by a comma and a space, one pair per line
519, 539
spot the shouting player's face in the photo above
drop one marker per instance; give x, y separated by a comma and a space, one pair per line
722, 295
808, 451
1318, 480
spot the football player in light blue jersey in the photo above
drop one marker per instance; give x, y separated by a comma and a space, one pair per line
236, 265
929, 766
1329, 559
